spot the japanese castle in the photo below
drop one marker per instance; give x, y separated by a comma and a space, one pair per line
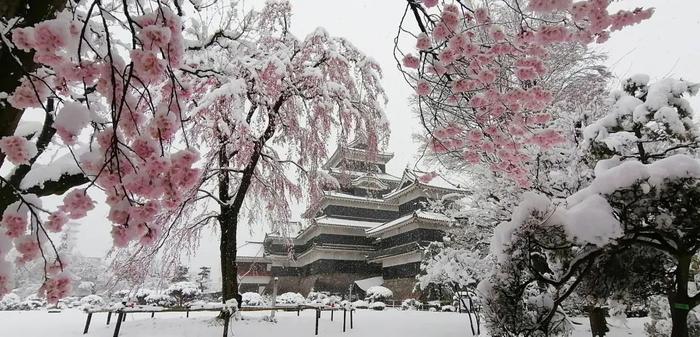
370, 231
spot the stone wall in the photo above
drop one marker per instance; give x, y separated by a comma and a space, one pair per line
402, 288
338, 283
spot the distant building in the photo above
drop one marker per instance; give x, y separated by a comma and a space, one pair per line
368, 232
254, 269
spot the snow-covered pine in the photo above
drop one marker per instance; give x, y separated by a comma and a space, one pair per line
639, 203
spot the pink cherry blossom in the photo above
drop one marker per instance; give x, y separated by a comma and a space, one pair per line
430, 3
77, 203
28, 248
17, 149
56, 288
147, 65
423, 42
23, 38
411, 61
154, 37
15, 223
56, 221
29, 94
547, 6
422, 88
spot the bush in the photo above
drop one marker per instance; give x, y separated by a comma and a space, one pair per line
183, 291
141, 295
379, 306
360, 305
411, 304
448, 308
379, 293
91, 301
331, 301
252, 299
10, 301
32, 302
161, 300
290, 298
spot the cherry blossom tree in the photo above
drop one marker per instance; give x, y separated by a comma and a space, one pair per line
149, 108
92, 85
267, 105
485, 76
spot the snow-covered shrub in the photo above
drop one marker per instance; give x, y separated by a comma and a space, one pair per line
121, 295
91, 302
252, 299
161, 300
183, 291
448, 308
435, 304
379, 293
32, 302
69, 302
360, 304
86, 288
331, 301
313, 296
10, 301
411, 304
290, 298
141, 295
379, 306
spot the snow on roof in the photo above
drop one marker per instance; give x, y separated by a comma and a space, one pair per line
423, 215
428, 179
357, 174
350, 196
250, 249
370, 282
326, 220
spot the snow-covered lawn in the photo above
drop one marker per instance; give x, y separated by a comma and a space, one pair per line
368, 323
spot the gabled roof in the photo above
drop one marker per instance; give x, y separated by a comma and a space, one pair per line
356, 149
413, 178
387, 177
369, 182
417, 215
250, 251
333, 221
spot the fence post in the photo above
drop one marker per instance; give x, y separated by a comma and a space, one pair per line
153, 313
351, 310
119, 324
318, 314
124, 317
109, 317
298, 309
274, 298
332, 311
87, 323
345, 312
227, 317
188, 313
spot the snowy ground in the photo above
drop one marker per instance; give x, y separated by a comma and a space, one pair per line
390, 323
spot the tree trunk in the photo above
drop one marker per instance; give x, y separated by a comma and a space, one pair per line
679, 301
599, 327
228, 221
679, 317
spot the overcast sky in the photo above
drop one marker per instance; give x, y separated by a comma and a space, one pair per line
665, 46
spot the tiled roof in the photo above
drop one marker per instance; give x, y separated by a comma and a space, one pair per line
431, 216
